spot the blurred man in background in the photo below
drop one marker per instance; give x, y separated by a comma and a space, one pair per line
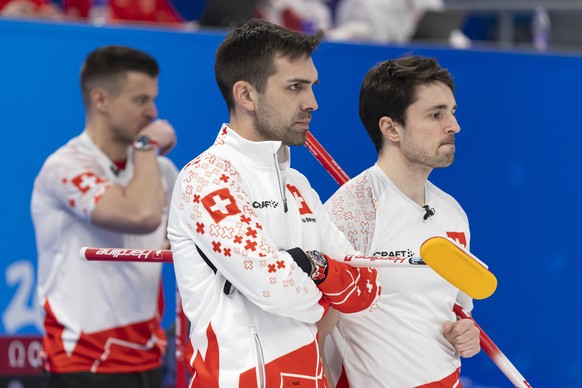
107, 187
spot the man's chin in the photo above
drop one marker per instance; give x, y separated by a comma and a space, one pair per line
445, 163
298, 140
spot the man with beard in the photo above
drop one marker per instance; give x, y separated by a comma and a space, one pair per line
253, 246
408, 108
107, 187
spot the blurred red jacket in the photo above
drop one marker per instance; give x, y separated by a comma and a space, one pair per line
38, 3
158, 11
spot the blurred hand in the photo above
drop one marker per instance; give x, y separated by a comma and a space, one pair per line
162, 132
464, 336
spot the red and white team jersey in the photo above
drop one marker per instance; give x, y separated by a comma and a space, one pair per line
253, 322
100, 317
402, 343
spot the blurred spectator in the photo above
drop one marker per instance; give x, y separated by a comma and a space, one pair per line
29, 9
153, 11
297, 15
226, 13
382, 21
145, 11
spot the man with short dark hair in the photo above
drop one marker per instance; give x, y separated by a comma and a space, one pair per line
253, 246
413, 339
107, 187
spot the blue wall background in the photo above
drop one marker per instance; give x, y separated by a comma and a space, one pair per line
518, 156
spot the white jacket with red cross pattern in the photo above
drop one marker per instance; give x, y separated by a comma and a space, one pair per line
240, 221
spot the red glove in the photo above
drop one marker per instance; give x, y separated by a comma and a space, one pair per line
350, 289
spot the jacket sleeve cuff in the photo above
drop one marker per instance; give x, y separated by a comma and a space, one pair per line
301, 259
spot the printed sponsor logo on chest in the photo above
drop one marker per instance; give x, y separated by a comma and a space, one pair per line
265, 204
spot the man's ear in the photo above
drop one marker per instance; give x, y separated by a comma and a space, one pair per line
389, 128
245, 95
99, 99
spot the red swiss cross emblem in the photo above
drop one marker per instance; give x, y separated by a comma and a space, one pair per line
459, 237
86, 181
220, 204
303, 208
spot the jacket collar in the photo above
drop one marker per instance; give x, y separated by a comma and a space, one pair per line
256, 153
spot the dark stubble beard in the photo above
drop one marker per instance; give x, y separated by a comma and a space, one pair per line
443, 159
271, 126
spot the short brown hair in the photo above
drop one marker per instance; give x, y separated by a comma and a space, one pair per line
107, 64
248, 53
389, 88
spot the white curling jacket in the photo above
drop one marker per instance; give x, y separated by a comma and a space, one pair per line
241, 206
